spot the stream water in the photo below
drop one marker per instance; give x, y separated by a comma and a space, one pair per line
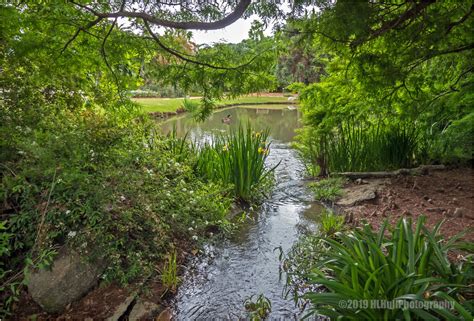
246, 263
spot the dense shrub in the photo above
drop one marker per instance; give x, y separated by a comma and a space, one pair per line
105, 183
454, 143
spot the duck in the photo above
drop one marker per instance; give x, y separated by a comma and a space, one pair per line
227, 119
291, 107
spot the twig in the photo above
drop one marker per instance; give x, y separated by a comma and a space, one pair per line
40, 227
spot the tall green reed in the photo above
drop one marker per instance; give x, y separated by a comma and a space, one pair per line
237, 158
354, 146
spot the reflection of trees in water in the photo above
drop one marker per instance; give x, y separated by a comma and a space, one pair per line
282, 122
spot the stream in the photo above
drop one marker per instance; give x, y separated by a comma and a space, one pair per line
246, 263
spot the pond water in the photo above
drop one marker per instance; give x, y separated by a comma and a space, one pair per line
281, 121
246, 263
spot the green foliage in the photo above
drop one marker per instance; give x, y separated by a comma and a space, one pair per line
104, 183
410, 264
327, 189
386, 99
331, 223
189, 105
169, 275
455, 142
237, 159
356, 147
296, 87
255, 60
259, 308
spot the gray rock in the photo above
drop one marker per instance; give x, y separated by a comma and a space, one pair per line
69, 278
143, 309
359, 193
121, 308
165, 315
355, 196
458, 212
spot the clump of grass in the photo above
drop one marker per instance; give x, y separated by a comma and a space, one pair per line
190, 105
409, 265
238, 159
331, 223
258, 309
169, 275
354, 146
327, 189
372, 147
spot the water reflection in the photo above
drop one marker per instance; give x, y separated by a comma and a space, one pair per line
281, 121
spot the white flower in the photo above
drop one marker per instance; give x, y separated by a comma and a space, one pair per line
71, 234
68, 212
190, 229
195, 237
184, 190
122, 198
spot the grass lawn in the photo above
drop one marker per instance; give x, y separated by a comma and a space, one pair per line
172, 104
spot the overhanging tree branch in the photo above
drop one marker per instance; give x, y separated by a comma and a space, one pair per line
78, 31
181, 56
197, 25
389, 25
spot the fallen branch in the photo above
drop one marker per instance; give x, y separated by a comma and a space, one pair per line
421, 170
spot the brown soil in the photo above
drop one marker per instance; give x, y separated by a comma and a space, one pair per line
441, 195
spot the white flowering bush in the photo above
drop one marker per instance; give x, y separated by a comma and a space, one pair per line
107, 186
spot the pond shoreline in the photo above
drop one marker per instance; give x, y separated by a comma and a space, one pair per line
180, 111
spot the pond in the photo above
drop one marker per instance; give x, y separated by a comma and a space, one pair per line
281, 121
246, 263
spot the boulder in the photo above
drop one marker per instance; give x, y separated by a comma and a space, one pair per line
458, 212
69, 278
143, 310
355, 196
122, 308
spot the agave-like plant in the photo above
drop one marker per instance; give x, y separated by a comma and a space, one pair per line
410, 265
